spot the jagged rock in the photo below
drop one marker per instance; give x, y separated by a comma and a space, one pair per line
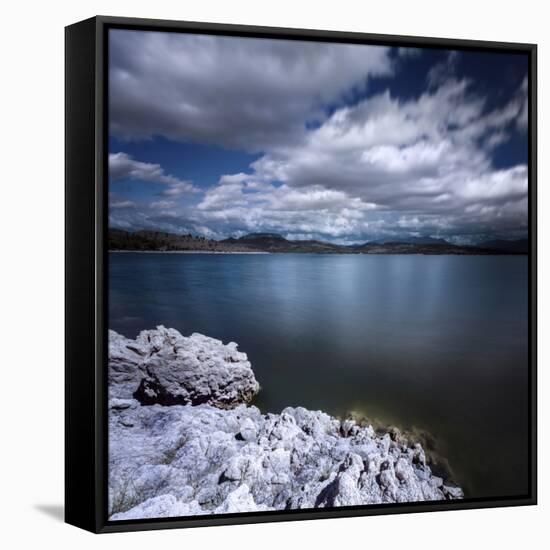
207, 458
126, 370
162, 366
160, 507
297, 459
248, 430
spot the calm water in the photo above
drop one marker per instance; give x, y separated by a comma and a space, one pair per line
433, 342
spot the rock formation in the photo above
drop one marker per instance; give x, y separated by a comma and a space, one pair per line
162, 366
210, 453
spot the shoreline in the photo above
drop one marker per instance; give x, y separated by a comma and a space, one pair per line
257, 461
251, 252
185, 252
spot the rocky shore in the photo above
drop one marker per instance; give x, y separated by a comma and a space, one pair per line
184, 441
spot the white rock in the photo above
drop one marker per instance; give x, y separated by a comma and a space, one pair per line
248, 430
181, 460
197, 455
162, 366
160, 507
240, 500
125, 366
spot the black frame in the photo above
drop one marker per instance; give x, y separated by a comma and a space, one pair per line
86, 195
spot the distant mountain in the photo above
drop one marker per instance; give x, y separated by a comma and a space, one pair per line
275, 243
160, 241
259, 240
519, 246
412, 240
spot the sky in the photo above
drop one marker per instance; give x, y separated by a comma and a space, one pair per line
223, 136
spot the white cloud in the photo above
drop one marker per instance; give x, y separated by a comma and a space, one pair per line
522, 117
179, 189
441, 72
417, 165
123, 166
379, 167
162, 205
116, 204
238, 92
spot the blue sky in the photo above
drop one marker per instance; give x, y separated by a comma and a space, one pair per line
223, 136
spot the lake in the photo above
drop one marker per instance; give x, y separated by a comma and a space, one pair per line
434, 343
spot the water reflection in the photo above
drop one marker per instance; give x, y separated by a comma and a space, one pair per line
435, 342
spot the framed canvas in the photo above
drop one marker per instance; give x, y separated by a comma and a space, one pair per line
300, 274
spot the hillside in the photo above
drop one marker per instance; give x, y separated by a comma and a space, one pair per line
274, 243
159, 241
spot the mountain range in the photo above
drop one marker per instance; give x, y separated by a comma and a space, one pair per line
276, 243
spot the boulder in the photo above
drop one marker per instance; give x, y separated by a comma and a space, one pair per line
162, 366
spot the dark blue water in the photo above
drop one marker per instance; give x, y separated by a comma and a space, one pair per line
437, 343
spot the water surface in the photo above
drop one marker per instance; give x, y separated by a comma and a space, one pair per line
437, 343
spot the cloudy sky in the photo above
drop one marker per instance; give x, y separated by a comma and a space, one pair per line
222, 136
